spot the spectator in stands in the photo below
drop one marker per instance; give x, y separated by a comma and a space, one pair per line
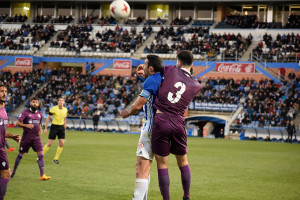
242, 135
261, 122
291, 129
282, 73
241, 117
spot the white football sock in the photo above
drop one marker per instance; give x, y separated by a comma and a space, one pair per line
146, 194
140, 189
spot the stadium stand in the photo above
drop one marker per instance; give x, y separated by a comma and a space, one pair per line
266, 104
198, 40
82, 40
26, 40
84, 93
21, 86
283, 48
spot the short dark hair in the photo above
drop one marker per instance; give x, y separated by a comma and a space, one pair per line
34, 99
2, 85
185, 57
156, 62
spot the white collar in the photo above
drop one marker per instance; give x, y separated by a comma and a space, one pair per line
185, 70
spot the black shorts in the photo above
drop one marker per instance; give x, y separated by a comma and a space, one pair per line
57, 130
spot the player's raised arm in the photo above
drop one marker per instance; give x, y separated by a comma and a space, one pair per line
46, 124
135, 108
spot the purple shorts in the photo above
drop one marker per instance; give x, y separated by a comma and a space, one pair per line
3, 159
168, 135
35, 143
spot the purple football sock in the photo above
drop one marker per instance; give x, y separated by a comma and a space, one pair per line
41, 163
3, 187
17, 162
186, 179
164, 183
6, 144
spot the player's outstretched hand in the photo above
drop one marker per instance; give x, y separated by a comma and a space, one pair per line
40, 131
30, 126
124, 114
16, 138
45, 131
140, 70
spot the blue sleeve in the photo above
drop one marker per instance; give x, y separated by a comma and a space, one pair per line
150, 86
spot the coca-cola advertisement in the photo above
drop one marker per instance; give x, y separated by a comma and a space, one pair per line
23, 62
235, 67
122, 64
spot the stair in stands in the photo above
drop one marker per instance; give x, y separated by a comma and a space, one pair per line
40, 53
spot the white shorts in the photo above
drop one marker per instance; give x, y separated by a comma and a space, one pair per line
144, 147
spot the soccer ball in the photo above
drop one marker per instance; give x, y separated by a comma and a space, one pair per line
119, 9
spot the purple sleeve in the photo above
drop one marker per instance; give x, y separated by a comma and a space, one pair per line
22, 116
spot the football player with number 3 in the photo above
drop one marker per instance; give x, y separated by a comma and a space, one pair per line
177, 90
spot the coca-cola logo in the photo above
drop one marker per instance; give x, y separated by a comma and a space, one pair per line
23, 62
122, 64
235, 67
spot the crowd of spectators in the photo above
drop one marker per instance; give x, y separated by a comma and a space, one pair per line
252, 22
158, 21
17, 18
136, 21
42, 18
293, 21
20, 86
26, 37
199, 41
283, 48
88, 19
181, 21
83, 39
85, 94
265, 102
62, 19
108, 20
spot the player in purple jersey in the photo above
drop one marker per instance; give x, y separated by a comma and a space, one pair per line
30, 120
4, 166
176, 91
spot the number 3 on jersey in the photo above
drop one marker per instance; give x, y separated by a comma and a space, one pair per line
178, 93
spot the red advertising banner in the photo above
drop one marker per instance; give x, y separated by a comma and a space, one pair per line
23, 62
122, 64
235, 67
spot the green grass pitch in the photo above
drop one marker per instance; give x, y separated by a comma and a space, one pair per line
102, 166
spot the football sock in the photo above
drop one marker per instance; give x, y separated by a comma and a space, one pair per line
46, 148
58, 152
186, 179
140, 189
6, 144
41, 163
164, 183
146, 194
17, 162
3, 187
